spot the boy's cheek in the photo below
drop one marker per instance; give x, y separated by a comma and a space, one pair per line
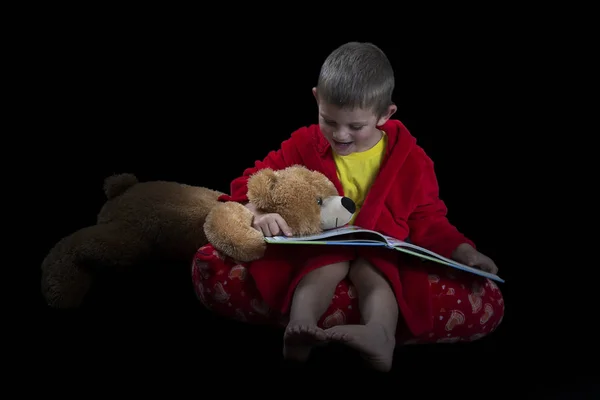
326, 130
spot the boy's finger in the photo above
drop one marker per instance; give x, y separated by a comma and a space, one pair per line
265, 230
284, 227
274, 228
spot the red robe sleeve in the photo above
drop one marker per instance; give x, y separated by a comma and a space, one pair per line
428, 225
288, 154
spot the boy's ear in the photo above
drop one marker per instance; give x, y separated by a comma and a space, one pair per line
391, 110
314, 92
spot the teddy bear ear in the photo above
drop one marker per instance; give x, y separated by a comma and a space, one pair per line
323, 184
260, 187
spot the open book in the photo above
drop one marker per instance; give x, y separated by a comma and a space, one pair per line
351, 235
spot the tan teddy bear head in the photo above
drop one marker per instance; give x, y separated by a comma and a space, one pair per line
307, 200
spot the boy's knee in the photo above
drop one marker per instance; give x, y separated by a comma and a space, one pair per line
336, 272
362, 270
329, 273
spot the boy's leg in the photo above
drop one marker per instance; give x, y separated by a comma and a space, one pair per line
311, 299
379, 311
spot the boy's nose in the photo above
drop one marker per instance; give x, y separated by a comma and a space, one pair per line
341, 137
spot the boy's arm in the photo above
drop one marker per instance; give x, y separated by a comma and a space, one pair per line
287, 155
428, 224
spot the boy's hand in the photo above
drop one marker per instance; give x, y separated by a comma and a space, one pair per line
466, 254
271, 224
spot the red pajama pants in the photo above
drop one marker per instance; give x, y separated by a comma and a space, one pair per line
465, 307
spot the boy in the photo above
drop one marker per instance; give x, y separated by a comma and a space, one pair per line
375, 161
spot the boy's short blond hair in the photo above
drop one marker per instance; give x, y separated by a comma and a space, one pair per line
357, 75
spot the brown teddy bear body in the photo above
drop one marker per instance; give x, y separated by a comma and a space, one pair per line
139, 221
169, 221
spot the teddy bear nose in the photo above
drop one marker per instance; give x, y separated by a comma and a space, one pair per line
349, 204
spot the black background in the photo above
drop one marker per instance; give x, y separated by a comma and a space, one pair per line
172, 100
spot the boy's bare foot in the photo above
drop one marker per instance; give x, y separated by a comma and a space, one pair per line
376, 347
299, 338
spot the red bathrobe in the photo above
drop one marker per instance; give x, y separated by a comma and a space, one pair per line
403, 203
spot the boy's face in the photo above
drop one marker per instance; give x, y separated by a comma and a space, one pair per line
350, 131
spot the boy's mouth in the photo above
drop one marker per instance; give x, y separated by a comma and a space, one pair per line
342, 147
338, 143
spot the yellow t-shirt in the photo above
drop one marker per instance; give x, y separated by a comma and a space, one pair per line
357, 171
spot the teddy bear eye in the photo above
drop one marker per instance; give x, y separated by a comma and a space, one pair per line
320, 201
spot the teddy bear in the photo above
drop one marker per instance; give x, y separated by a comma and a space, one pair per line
170, 221
222, 274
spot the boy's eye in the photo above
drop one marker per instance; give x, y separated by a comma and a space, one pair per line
330, 122
356, 127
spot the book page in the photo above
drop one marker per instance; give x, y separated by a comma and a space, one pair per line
353, 235
400, 243
430, 255
348, 233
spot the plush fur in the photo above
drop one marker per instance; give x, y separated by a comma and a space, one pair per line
164, 220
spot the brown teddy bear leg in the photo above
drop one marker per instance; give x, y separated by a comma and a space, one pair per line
67, 271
